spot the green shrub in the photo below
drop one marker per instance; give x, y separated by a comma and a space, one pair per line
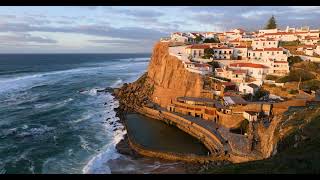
295, 75
271, 77
211, 40
294, 59
293, 91
311, 85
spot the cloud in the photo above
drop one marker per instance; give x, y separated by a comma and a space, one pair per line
141, 13
25, 38
98, 30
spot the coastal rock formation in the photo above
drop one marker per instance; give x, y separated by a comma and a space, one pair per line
134, 95
166, 79
170, 78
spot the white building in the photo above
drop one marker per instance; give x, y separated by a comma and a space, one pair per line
264, 43
179, 37
282, 36
240, 52
198, 67
310, 40
257, 71
308, 51
274, 58
317, 50
235, 75
196, 50
265, 31
248, 88
222, 52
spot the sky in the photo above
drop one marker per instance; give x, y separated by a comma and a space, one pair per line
133, 29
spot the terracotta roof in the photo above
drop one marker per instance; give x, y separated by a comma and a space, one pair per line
198, 46
201, 65
239, 71
221, 48
219, 70
273, 49
279, 33
252, 65
257, 49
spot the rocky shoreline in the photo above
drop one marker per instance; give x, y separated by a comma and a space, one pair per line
131, 97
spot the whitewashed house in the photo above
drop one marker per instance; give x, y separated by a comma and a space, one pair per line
196, 50
257, 71
248, 88
222, 52
264, 43
179, 37
240, 52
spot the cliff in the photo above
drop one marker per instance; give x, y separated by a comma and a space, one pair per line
170, 78
166, 79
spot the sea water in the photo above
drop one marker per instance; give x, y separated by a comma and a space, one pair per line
52, 119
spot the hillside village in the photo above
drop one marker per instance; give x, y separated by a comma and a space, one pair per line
231, 90
249, 79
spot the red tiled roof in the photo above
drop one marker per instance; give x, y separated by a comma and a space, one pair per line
239, 71
252, 65
201, 65
198, 46
257, 50
221, 48
279, 33
273, 49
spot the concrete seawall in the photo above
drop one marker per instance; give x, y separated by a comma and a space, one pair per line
212, 142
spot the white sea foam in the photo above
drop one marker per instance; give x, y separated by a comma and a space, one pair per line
97, 164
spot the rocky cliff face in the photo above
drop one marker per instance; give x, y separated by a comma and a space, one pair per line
170, 78
166, 79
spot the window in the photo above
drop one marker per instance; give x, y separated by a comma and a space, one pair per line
225, 52
253, 54
256, 43
260, 54
278, 52
267, 52
269, 42
229, 52
272, 53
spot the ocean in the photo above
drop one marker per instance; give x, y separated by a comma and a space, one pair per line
52, 119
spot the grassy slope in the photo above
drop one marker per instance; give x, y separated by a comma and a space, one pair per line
303, 159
